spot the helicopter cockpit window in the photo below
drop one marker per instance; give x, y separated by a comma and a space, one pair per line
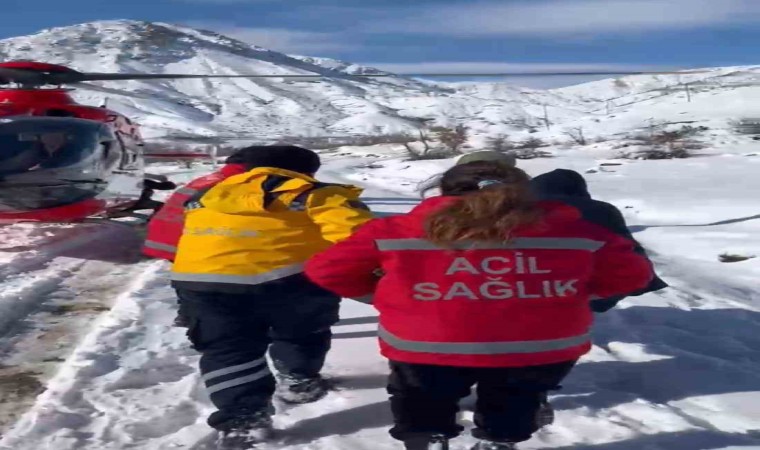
25, 147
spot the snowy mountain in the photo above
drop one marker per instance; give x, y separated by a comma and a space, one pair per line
336, 105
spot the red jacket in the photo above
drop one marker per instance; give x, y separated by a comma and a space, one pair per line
165, 228
497, 305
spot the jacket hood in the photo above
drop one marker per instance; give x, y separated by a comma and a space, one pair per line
245, 193
560, 182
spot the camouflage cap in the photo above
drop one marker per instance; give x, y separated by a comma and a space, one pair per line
504, 158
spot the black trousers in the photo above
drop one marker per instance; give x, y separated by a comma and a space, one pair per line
425, 399
234, 331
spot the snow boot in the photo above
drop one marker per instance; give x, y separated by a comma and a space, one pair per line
246, 432
489, 445
545, 415
434, 442
298, 391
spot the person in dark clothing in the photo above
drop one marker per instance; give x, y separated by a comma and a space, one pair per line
512, 402
291, 319
569, 187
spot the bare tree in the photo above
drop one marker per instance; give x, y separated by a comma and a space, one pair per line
532, 143
529, 149
576, 134
669, 144
452, 139
416, 153
438, 143
750, 126
547, 122
499, 143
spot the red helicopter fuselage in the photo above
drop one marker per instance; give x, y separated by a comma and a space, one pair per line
53, 104
61, 161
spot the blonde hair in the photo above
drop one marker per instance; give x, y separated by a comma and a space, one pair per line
495, 200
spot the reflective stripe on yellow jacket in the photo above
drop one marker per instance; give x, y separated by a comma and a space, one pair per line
261, 226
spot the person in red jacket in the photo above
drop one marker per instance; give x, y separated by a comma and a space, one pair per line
482, 286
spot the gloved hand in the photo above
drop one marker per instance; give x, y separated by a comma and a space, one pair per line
604, 304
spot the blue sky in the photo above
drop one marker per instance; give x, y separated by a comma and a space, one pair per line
445, 35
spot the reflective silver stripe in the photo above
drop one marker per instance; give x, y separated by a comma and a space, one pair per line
238, 381
368, 299
261, 278
481, 348
186, 190
233, 369
548, 243
159, 246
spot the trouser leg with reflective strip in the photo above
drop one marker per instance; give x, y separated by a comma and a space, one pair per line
232, 337
301, 334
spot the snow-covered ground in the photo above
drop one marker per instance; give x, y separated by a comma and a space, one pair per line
676, 370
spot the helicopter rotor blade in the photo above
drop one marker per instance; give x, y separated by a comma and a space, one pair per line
168, 76
63, 75
172, 76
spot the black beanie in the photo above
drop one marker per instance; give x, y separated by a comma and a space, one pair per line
288, 157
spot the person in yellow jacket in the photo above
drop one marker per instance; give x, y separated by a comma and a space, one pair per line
239, 275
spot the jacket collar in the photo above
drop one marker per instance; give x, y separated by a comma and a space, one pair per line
229, 170
267, 171
433, 204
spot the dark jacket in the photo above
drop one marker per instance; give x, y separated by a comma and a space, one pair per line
570, 188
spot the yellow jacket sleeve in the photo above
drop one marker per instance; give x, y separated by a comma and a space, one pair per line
338, 212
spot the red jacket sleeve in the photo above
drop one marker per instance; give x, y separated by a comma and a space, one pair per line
618, 269
349, 268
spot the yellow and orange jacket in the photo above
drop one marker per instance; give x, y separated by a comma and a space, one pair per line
261, 227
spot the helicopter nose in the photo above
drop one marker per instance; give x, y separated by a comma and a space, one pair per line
37, 190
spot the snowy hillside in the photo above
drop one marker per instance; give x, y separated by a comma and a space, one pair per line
255, 106
675, 370
337, 106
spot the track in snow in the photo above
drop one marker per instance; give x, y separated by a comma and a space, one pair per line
672, 371
56, 279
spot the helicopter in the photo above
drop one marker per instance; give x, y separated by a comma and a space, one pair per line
65, 162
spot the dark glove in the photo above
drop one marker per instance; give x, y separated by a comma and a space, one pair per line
605, 304
159, 185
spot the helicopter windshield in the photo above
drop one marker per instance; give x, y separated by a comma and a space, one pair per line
33, 144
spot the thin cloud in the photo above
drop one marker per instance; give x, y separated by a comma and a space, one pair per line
569, 17
312, 43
